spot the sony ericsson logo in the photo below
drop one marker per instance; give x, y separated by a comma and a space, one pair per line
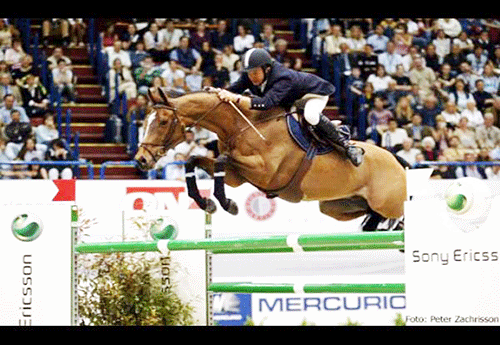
27, 227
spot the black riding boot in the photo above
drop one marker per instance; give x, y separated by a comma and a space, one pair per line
355, 154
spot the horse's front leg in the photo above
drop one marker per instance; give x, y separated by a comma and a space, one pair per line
219, 188
207, 164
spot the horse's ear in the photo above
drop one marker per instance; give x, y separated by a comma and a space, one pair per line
163, 95
152, 95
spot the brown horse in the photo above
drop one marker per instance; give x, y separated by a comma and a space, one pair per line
272, 161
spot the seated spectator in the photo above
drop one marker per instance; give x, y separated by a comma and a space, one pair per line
7, 108
139, 109
77, 31
188, 58
356, 41
429, 149
445, 79
450, 26
451, 114
207, 65
468, 77
131, 36
220, 74
431, 58
442, 44
109, 36
116, 51
408, 152
403, 83
220, 38
64, 81
454, 58
464, 42
47, 131
378, 120
176, 172
378, 40
455, 151
8, 88
24, 68
138, 55
268, 38
487, 134
55, 31
6, 36
57, 152
57, 54
155, 43
121, 81
417, 130
493, 172
14, 54
429, 109
35, 96
16, 132
470, 170
206, 138
466, 135
244, 40
235, 74
402, 40
30, 151
490, 79
380, 80
200, 35
473, 115
422, 76
443, 171
483, 98
390, 59
189, 147
441, 133
477, 60
229, 57
145, 74
172, 35
403, 112
393, 137
282, 55
367, 61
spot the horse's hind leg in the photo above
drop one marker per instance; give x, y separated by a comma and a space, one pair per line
344, 209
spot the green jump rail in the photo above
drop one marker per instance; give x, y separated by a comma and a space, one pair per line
263, 244
306, 288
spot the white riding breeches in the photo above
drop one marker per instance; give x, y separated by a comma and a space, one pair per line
314, 107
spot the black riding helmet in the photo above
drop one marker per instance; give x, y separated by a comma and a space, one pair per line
256, 57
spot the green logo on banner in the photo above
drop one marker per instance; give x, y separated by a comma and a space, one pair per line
27, 227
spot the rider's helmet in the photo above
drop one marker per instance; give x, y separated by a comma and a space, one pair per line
256, 57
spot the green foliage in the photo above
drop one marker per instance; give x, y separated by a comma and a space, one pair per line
120, 289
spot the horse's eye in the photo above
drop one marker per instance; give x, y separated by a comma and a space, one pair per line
163, 123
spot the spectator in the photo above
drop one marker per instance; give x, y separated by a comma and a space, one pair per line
432, 60
64, 80
189, 147
334, 40
445, 80
403, 112
450, 26
207, 66
466, 135
487, 134
455, 151
470, 170
35, 96
57, 152
473, 115
451, 114
495, 110
229, 57
116, 52
176, 171
172, 35
482, 97
268, 38
200, 35
56, 55
121, 81
460, 96
467, 76
235, 74
378, 119
30, 151
393, 137
77, 30
109, 36
220, 74
8, 88
408, 152
390, 59
356, 41
155, 43
484, 42
378, 40
454, 58
423, 77
367, 61
493, 172
7, 108
5, 169
416, 130
14, 54
16, 132
402, 40
145, 74
220, 38
380, 80
55, 31
206, 138
441, 133
282, 55
243, 41
429, 149
24, 68
477, 60
138, 55
490, 79
47, 131
139, 108
464, 42
131, 36
443, 171
442, 44
188, 58
5, 36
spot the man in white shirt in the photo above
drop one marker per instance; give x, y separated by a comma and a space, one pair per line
116, 51
450, 26
393, 138
390, 59
408, 152
334, 40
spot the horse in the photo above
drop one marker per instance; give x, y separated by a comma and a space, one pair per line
259, 150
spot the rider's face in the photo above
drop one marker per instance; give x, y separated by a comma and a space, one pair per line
256, 75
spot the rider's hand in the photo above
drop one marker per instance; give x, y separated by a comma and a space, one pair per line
227, 96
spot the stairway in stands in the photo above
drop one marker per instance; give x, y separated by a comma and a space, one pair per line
88, 117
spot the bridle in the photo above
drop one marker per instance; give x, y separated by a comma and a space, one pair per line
173, 125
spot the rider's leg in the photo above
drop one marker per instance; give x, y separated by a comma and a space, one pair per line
313, 114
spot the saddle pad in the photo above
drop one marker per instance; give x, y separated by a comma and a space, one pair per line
302, 139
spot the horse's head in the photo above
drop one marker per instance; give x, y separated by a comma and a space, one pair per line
163, 129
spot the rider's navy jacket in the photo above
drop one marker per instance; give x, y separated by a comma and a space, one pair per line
282, 87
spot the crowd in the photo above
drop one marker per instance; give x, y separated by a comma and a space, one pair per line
27, 127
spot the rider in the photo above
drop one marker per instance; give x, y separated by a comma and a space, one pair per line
275, 85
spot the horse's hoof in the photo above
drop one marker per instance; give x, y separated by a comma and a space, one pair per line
211, 206
232, 207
